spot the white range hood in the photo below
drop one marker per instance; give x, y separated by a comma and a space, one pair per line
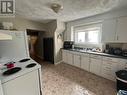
4, 36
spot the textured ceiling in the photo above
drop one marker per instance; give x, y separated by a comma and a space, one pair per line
39, 10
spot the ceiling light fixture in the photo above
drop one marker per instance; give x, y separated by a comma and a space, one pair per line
56, 7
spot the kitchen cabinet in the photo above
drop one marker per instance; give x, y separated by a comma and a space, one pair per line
114, 30
122, 64
109, 67
69, 58
100, 65
27, 84
64, 56
109, 30
122, 29
77, 59
95, 64
1, 89
85, 62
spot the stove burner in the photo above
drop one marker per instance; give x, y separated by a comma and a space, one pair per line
24, 60
31, 65
11, 71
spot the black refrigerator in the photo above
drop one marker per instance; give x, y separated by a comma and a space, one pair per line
48, 49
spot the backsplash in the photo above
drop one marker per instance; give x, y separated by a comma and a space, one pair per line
123, 46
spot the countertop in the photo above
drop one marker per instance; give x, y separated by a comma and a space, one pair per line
97, 53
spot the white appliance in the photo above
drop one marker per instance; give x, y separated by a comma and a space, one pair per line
25, 77
27, 81
15, 48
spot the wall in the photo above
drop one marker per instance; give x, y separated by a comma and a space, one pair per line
58, 41
23, 24
112, 14
55, 29
51, 28
123, 46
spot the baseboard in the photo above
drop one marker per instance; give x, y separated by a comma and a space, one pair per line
58, 62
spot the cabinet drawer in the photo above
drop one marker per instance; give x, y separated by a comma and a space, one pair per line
111, 59
107, 63
123, 61
108, 73
108, 76
76, 53
85, 54
95, 56
106, 67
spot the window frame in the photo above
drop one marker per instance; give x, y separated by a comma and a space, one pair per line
88, 43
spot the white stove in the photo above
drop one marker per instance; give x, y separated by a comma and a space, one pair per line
25, 77
24, 69
28, 77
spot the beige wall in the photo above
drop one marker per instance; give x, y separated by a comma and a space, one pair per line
51, 28
23, 24
55, 28
58, 44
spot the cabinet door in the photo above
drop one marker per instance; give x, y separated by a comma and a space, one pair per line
69, 58
122, 29
64, 56
1, 89
85, 64
95, 66
108, 69
77, 60
24, 85
122, 64
109, 30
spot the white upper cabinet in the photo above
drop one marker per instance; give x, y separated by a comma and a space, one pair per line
114, 30
109, 30
121, 32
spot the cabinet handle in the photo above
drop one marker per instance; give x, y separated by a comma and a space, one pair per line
108, 68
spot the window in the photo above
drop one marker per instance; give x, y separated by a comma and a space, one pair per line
89, 34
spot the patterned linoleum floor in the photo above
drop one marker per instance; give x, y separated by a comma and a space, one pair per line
64, 79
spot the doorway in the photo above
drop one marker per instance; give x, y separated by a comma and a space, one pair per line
32, 41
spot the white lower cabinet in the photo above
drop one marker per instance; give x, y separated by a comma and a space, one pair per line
77, 60
100, 65
122, 64
95, 66
27, 84
109, 67
85, 62
1, 89
69, 58
64, 56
